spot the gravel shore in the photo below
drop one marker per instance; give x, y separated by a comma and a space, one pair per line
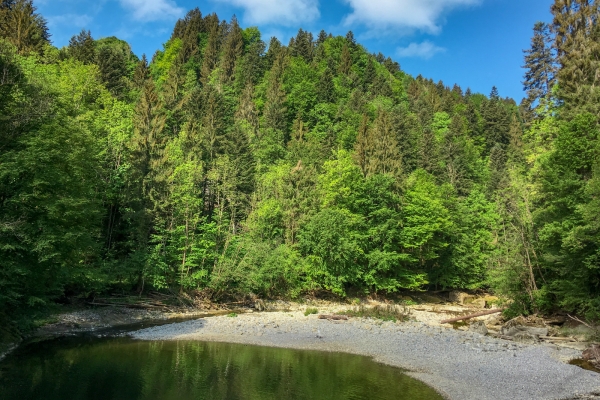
460, 365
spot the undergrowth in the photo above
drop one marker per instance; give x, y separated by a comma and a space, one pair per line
310, 311
385, 312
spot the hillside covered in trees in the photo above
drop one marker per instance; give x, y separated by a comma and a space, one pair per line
232, 165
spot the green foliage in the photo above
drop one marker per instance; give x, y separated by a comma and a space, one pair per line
226, 170
387, 312
310, 311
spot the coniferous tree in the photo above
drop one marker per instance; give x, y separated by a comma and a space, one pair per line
381, 152
22, 26
82, 47
275, 47
345, 61
321, 38
188, 29
540, 64
391, 65
211, 52
496, 121
141, 73
362, 146
302, 46
369, 75
247, 108
578, 53
233, 49
275, 108
148, 145
350, 39
326, 88
113, 69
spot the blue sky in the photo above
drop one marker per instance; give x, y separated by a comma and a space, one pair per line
475, 43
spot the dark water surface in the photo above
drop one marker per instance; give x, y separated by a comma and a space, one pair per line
86, 368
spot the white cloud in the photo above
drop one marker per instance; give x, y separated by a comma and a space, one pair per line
424, 50
153, 10
402, 15
279, 12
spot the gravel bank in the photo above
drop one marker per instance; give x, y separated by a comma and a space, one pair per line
460, 365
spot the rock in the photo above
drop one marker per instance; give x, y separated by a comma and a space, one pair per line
525, 338
479, 303
259, 305
523, 330
592, 354
478, 327
429, 299
490, 301
458, 297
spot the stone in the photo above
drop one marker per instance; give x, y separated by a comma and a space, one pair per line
479, 303
456, 296
525, 338
523, 331
429, 298
478, 327
592, 354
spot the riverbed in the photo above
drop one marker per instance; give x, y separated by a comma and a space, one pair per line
459, 365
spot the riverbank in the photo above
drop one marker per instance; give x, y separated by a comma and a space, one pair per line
460, 365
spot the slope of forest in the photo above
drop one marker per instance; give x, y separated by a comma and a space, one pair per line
228, 167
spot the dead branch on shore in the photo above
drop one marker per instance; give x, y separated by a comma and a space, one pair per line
581, 322
333, 317
558, 339
480, 314
125, 305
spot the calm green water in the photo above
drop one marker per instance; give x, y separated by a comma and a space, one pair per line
123, 369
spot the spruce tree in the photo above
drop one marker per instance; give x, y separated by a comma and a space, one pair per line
302, 46
211, 52
326, 88
321, 38
233, 49
391, 65
539, 64
496, 121
350, 39
345, 60
275, 47
247, 108
369, 75
141, 74
362, 145
113, 70
82, 47
22, 26
578, 50
275, 108
376, 148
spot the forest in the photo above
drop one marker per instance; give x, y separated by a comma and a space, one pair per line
231, 165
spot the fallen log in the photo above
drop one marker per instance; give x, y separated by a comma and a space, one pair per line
139, 306
558, 339
334, 317
480, 314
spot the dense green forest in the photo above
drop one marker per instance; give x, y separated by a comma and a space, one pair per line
231, 165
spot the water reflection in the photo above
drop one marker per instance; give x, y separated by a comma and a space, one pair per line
123, 369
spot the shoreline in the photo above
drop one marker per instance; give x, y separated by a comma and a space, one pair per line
459, 365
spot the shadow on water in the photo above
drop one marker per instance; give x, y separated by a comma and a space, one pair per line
91, 368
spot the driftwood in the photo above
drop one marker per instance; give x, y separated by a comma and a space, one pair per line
334, 317
554, 338
140, 306
480, 314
